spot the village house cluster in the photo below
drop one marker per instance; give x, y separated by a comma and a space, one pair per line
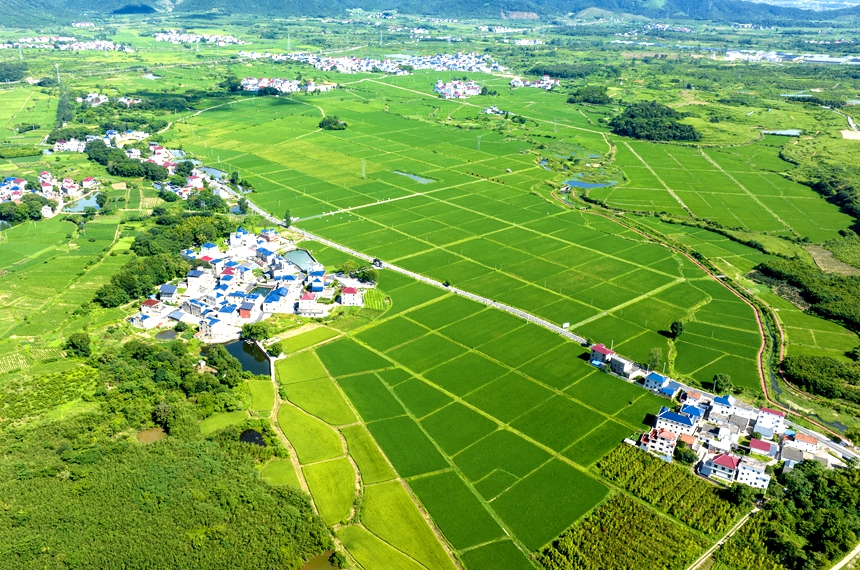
111, 138
528, 42
500, 29
783, 57
545, 82
470, 62
285, 85
96, 99
248, 280
177, 37
66, 43
457, 89
13, 189
734, 442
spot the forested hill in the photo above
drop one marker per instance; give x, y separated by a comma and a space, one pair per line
50, 11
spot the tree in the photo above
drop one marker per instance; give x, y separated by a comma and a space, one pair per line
78, 344
101, 199
676, 329
255, 331
685, 455
655, 358
722, 383
288, 219
243, 206
234, 177
367, 275
755, 435
332, 123
594, 94
349, 267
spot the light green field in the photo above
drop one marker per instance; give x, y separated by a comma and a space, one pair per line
222, 420
332, 484
390, 514
322, 399
366, 454
262, 396
372, 553
280, 472
312, 439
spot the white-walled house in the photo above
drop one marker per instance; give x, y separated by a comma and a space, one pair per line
351, 297
802, 442
752, 472
621, 366
675, 422
770, 422
654, 381
601, 354
659, 441
723, 466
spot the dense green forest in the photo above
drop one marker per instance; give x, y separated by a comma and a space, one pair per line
810, 518
832, 296
79, 492
824, 376
654, 122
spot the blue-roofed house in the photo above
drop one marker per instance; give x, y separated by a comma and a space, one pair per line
654, 381
722, 405
168, 293
670, 390
210, 249
675, 422
199, 281
692, 411
177, 315
272, 302
317, 285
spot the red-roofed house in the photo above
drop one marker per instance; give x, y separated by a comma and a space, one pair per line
151, 307
723, 466
802, 442
769, 422
89, 182
659, 441
600, 353
351, 297
763, 447
308, 306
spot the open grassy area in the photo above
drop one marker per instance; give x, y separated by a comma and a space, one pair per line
332, 484
280, 472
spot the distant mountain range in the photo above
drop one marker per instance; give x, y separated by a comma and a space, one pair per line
55, 11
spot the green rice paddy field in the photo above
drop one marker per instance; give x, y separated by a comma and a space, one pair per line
463, 420
475, 224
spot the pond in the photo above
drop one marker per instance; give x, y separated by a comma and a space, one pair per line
214, 172
261, 291
320, 562
253, 437
300, 257
151, 76
166, 335
784, 132
580, 184
235, 210
417, 179
150, 435
82, 203
249, 356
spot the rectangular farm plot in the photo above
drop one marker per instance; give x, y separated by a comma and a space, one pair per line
457, 511
332, 484
465, 373
391, 333
310, 338
412, 295
502, 554
605, 392
371, 397
557, 422
640, 413
420, 397
509, 397
560, 367
407, 447
542, 505
299, 368
520, 346
598, 442
426, 352
345, 356
501, 450
482, 327
367, 455
445, 311
322, 399
456, 427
